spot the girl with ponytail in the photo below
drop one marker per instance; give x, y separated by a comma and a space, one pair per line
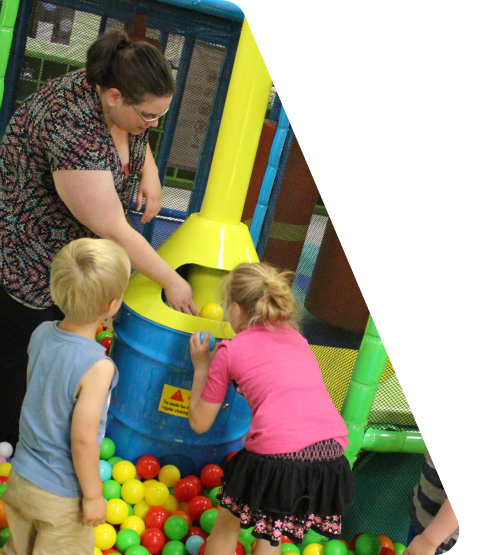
292, 474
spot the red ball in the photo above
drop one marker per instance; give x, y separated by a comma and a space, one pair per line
148, 467
354, 539
387, 551
211, 475
156, 517
3, 479
198, 505
196, 480
185, 489
107, 343
230, 455
109, 551
153, 539
201, 550
196, 531
285, 539
240, 549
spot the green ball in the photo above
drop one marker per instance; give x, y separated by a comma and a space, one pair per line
213, 496
113, 460
3, 487
174, 547
126, 538
288, 547
398, 548
130, 509
246, 544
137, 550
335, 547
103, 334
4, 536
247, 534
207, 519
175, 527
107, 449
112, 490
368, 544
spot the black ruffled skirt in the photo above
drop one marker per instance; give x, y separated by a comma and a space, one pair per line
289, 493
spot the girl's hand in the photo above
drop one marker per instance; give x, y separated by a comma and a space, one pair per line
94, 511
201, 355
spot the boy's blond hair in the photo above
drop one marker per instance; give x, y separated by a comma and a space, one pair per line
264, 293
86, 275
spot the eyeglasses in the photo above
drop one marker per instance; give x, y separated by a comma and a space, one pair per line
145, 120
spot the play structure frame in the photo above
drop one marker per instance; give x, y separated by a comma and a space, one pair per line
222, 201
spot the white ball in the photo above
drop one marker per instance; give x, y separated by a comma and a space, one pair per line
6, 450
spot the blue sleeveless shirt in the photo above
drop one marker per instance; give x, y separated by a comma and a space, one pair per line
58, 361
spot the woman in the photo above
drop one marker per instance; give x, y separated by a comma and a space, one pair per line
70, 159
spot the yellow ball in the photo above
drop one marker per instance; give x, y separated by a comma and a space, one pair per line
105, 536
169, 475
133, 491
133, 523
156, 494
146, 482
96, 551
117, 511
141, 509
171, 504
123, 471
212, 311
5, 469
313, 549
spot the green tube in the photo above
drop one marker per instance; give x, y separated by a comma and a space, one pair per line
367, 372
8, 16
382, 441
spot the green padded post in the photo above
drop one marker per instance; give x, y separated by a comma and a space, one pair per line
381, 441
8, 16
367, 372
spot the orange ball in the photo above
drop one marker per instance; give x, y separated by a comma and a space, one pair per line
386, 542
184, 515
3, 515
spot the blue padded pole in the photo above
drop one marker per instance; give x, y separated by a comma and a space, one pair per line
269, 177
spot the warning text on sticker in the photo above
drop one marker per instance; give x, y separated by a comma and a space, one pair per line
174, 400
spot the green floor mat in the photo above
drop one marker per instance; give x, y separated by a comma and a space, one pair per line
383, 482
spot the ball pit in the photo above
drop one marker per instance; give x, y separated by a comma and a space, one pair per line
154, 510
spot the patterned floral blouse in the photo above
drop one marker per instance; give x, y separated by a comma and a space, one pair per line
59, 127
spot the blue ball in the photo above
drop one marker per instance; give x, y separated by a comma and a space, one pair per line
105, 471
193, 544
211, 342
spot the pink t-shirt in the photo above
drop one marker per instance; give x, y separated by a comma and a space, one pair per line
279, 376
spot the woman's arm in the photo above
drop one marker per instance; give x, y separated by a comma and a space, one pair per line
91, 198
200, 413
149, 188
87, 413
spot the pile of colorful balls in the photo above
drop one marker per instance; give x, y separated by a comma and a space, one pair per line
152, 509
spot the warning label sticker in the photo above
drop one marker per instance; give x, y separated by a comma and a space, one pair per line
175, 401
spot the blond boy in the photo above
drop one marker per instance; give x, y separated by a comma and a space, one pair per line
54, 493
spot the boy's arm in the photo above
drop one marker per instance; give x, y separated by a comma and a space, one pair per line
441, 527
93, 390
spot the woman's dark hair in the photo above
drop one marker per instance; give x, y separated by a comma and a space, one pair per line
134, 68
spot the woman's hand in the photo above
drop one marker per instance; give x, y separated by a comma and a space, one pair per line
149, 190
179, 296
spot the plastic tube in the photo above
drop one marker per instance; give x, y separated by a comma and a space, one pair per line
8, 16
221, 8
367, 372
382, 441
269, 177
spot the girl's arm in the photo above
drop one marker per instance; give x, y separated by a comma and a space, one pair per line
201, 414
149, 188
87, 413
441, 527
91, 198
